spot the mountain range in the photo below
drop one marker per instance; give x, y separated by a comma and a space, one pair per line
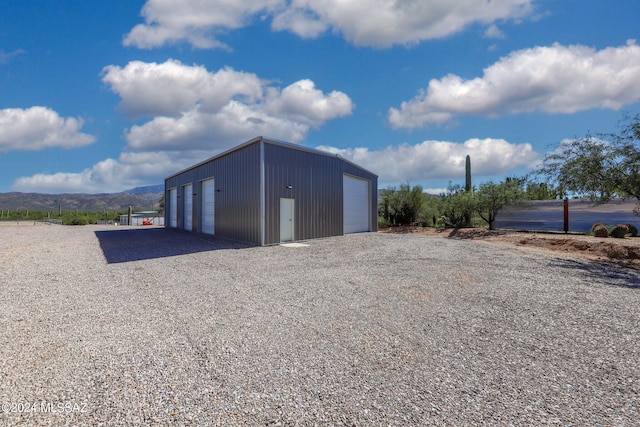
139, 198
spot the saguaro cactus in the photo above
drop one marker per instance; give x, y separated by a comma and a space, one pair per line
467, 185
467, 174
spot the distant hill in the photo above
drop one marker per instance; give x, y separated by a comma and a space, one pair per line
140, 198
149, 189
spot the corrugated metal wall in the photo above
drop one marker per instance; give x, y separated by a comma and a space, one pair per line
316, 182
237, 197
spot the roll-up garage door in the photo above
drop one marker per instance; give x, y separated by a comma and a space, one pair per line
188, 207
208, 206
173, 208
356, 204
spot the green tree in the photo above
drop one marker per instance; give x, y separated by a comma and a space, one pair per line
491, 198
600, 167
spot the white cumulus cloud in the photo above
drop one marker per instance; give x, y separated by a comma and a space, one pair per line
194, 108
383, 23
56, 183
552, 79
194, 22
231, 125
112, 175
440, 159
377, 23
194, 114
172, 88
301, 102
37, 128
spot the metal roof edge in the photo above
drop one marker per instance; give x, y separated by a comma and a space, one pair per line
272, 142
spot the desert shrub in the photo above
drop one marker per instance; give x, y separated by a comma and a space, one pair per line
382, 222
596, 225
632, 230
619, 231
428, 216
600, 231
77, 220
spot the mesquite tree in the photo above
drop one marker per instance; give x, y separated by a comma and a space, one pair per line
457, 205
600, 167
491, 198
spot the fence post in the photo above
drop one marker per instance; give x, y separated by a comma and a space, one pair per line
566, 215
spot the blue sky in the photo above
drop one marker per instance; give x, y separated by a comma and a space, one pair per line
105, 96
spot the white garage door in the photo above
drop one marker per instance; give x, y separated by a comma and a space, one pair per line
173, 208
208, 206
188, 207
356, 205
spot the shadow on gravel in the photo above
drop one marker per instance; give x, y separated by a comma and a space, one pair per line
607, 273
149, 243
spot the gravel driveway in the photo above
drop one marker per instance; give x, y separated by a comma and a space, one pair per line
126, 326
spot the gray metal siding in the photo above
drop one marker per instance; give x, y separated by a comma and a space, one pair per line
317, 187
237, 197
316, 181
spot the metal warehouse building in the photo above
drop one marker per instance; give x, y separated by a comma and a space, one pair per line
267, 192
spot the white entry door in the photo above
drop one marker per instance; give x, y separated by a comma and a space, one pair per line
208, 206
188, 207
173, 208
286, 220
356, 205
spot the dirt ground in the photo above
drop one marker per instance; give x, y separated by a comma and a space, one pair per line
624, 252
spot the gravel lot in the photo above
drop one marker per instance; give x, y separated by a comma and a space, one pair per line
126, 326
